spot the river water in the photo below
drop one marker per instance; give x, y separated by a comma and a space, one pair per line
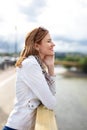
71, 110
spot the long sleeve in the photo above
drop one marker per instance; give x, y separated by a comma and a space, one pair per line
51, 83
35, 80
50, 79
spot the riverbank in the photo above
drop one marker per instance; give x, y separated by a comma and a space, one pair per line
75, 74
69, 73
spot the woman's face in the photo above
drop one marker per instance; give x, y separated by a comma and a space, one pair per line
46, 46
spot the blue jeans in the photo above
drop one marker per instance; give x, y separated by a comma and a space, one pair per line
7, 128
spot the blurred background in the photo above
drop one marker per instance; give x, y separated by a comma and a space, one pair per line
66, 21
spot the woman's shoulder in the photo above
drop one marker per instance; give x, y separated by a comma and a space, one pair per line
30, 60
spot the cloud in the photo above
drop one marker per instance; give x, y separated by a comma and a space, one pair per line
33, 9
66, 17
69, 40
66, 21
62, 46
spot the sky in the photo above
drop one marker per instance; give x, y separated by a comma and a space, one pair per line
66, 21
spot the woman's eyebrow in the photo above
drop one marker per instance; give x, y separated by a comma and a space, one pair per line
49, 39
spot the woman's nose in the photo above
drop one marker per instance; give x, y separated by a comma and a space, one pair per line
53, 44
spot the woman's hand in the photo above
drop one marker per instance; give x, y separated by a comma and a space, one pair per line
49, 62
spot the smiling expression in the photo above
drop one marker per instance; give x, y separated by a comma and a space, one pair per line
46, 47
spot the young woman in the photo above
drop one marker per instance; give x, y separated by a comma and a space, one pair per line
35, 83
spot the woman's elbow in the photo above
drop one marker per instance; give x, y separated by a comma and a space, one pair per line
52, 105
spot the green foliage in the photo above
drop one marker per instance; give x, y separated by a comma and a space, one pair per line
81, 60
70, 58
83, 63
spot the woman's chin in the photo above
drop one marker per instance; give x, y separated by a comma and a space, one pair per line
50, 54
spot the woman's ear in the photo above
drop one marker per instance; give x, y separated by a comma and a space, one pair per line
37, 46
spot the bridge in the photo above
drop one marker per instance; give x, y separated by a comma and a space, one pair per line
67, 63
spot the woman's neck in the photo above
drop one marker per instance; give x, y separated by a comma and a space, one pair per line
41, 57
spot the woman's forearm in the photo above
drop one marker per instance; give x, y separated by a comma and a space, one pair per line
51, 70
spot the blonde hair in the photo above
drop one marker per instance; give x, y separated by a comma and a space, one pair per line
35, 36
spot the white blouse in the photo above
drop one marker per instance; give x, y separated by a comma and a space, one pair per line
31, 90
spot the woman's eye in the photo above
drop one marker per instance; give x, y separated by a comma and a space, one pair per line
49, 41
